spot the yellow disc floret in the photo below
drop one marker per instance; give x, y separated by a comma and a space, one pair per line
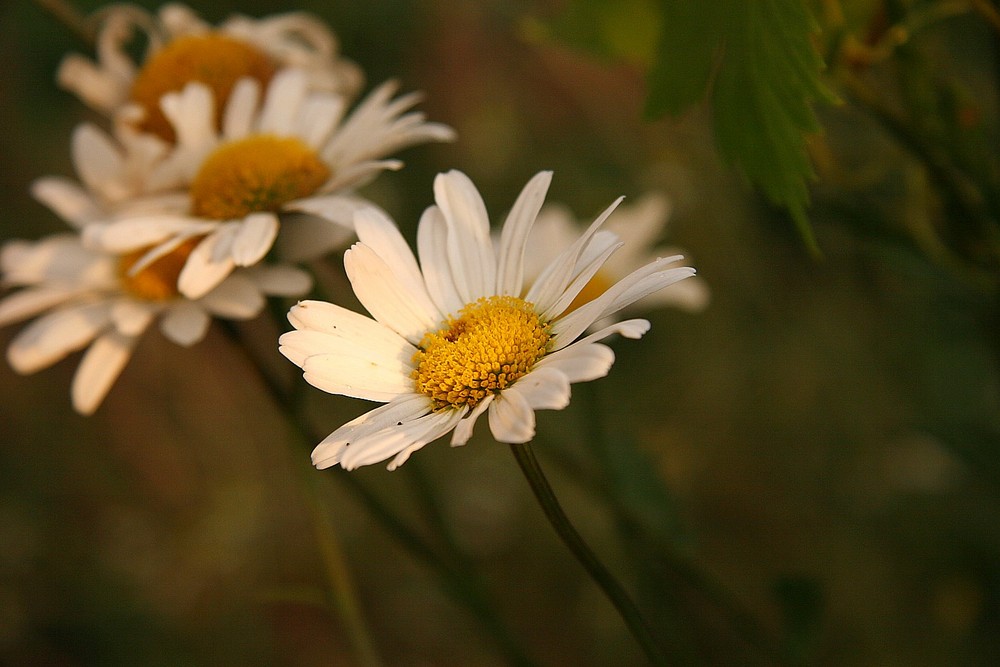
495, 341
213, 59
157, 281
258, 173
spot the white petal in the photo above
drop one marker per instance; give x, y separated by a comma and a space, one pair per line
254, 238
580, 362
545, 388
318, 118
357, 376
378, 232
404, 308
184, 323
131, 317
470, 249
400, 410
511, 418
399, 440
552, 283
626, 291
100, 367
514, 234
237, 122
55, 335
133, 233
463, 430
586, 272
204, 269
281, 279
237, 297
98, 161
349, 327
67, 199
432, 233
285, 95
29, 302
192, 113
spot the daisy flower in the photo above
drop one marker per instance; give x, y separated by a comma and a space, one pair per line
88, 299
457, 334
640, 227
182, 48
291, 153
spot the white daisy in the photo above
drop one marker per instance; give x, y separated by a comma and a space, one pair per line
87, 299
291, 153
183, 48
640, 227
457, 335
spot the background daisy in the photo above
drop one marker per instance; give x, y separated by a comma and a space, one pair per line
82, 298
183, 48
292, 152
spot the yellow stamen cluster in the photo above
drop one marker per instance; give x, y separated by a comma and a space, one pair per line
213, 59
156, 281
258, 173
495, 341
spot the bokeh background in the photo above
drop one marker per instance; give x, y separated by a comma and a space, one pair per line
806, 472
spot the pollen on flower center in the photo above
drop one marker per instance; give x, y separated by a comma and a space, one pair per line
495, 341
213, 59
258, 173
156, 281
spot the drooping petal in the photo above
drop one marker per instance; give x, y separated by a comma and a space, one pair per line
184, 323
55, 335
237, 298
398, 411
445, 421
398, 440
254, 238
514, 235
205, 269
280, 279
100, 367
511, 418
463, 430
407, 309
470, 249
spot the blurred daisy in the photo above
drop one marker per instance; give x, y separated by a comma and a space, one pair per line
87, 299
640, 226
291, 153
182, 48
457, 335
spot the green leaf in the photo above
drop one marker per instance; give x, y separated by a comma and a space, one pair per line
766, 75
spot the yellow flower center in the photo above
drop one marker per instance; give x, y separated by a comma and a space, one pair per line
213, 59
157, 281
258, 173
594, 288
495, 341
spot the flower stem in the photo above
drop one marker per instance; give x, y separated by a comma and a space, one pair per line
69, 16
574, 542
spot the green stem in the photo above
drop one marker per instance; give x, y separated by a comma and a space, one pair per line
68, 15
575, 543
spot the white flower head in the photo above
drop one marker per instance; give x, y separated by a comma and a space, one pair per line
639, 226
82, 298
457, 334
286, 158
183, 48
